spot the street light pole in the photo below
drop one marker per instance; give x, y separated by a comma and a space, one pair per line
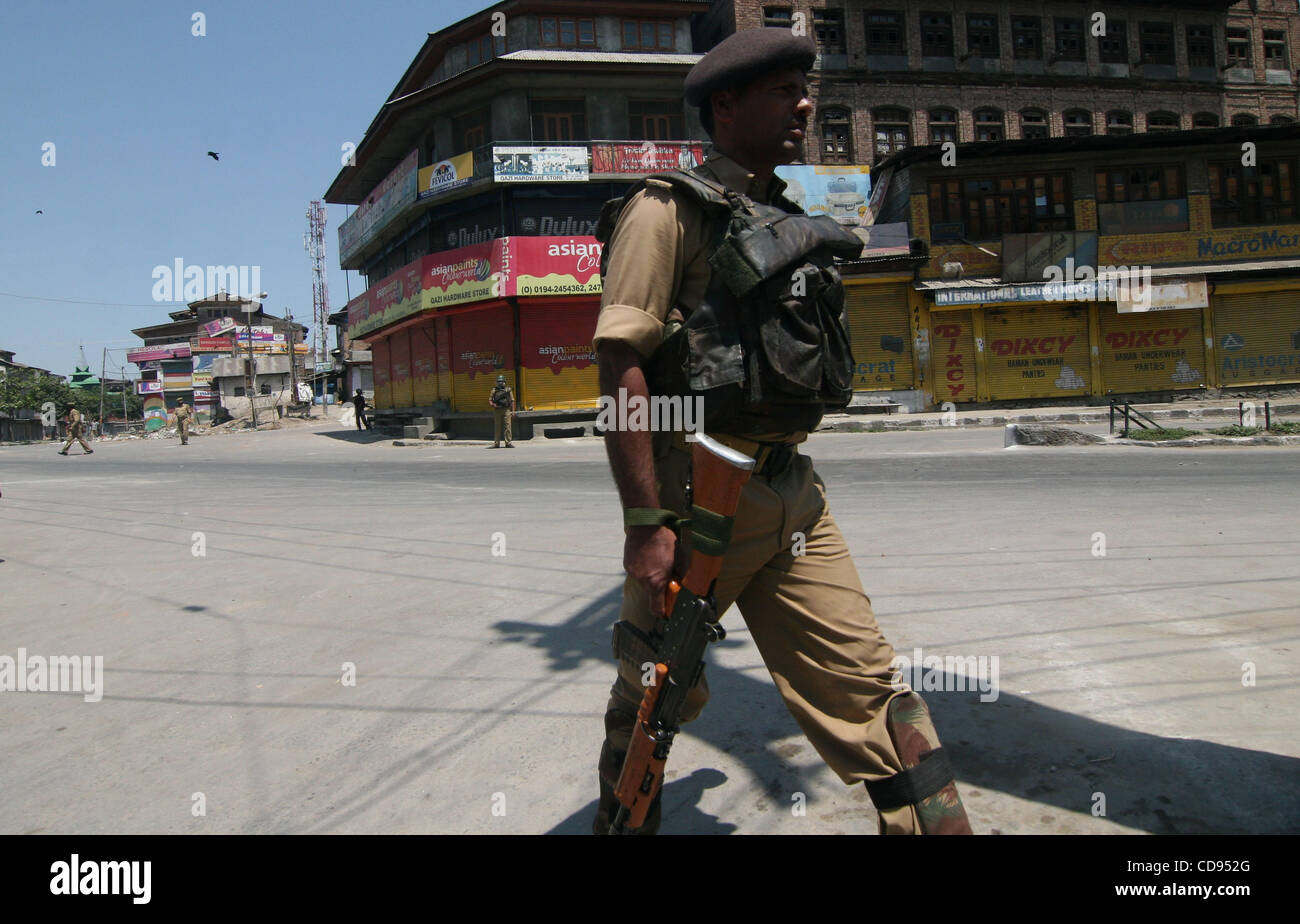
252, 365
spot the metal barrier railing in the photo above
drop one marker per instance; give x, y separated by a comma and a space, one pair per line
1131, 415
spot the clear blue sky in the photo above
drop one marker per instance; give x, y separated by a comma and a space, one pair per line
133, 101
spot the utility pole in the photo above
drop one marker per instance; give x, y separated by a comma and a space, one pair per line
125, 418
293, 358
103, 371
252, 366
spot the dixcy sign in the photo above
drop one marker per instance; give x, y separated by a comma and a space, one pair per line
1031, 346
1139, 339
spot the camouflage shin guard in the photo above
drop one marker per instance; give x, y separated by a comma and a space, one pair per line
618, 728
926, 785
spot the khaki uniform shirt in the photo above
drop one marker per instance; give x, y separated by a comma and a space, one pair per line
182, 413
74, 421
658, 267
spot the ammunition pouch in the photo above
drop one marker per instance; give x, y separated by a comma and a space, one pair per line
768, 346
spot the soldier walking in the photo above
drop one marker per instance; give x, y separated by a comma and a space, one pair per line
502, 400
183, 416
765, 344
359, 406
75, 425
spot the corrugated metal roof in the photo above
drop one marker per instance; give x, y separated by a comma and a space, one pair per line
1189, 269
601, 57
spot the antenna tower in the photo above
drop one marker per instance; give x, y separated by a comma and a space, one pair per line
314, 241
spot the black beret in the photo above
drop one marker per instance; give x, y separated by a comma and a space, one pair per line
743, 55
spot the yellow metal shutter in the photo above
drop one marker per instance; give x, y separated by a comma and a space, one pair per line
1257, 337
1151, 350
952, 356
559, 365
1039, 352
880, 335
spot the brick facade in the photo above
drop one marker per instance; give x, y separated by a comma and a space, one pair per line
863, 83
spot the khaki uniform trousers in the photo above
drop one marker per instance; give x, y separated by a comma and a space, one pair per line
74, 433
183, 425
501, 421
808, 615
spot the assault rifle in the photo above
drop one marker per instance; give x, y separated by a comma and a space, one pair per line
718, 475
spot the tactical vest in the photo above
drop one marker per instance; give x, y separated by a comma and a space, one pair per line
768, 345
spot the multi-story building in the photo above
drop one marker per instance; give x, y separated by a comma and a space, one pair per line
201, 356
478, 185
902, 73
1097, 267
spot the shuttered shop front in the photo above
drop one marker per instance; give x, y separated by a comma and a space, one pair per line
382, 373
881, 337
952, 353
559, 365
1039, 352
399, 360
1257, 337
424, 361
1151, 350
442, 331
482, 347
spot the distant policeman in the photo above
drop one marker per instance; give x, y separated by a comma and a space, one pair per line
502, 400
74, 422
183, 417
359, 405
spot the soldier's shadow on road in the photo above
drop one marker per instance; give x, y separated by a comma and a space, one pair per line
1058, 759
354, 436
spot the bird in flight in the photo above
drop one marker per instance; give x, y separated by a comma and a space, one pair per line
213, 155
40, 212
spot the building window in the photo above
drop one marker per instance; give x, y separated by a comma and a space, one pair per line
1026, 37
1162, 122
1200, 46
562, 32
1243, 119
239, 391
1119, 122
1156, 40
1275, 56
484, 48
837, 137
472, 130
893, 133
1264, 194
558, 119
647, 35
828, 27
982, 34
1205, 120
988, 125
1033, 124
777, 17
1239, 48
1112, 48
989, 207
1078, 123
1280, 120
886, 34
655, 120
943, 125
1069, 40
1140, 184
936, 35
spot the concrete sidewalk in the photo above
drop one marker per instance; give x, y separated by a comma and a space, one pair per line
1222, 411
